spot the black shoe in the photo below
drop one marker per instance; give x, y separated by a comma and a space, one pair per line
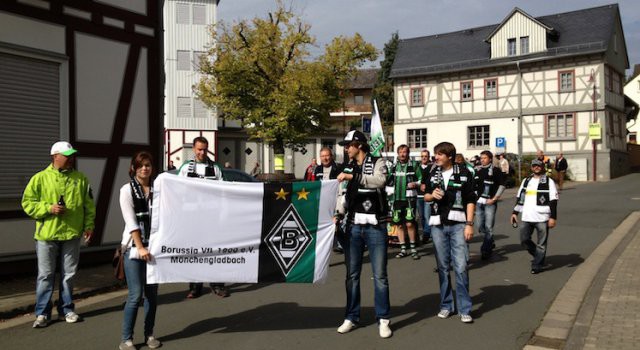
338, 250
535, 271
220, 291
485, 255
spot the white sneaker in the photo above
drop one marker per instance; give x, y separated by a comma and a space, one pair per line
71, 317
152, 342
385, 330
466, 318
40, 322
346, 327
444, 313
127, 345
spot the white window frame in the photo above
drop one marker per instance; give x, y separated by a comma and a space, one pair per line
491, 91
524, 45
417, 138
511, 47
478, 136
566, 81
564, 130
466, 91
420, 93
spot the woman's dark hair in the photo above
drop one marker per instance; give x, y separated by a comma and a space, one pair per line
446, 148
136, 162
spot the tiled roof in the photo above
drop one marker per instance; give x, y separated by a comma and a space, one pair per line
364, 79
576, 32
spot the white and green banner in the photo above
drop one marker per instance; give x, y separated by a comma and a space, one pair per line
377, 136
214, 231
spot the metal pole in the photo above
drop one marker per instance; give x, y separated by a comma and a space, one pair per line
519, 122
593, 142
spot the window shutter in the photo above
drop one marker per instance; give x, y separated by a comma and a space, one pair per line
29, 97
184, 107
182, 13
199, 14
184, 63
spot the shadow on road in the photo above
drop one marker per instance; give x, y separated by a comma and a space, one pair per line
495, 297
557, 261
288, 316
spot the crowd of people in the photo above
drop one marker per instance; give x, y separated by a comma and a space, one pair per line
446, 194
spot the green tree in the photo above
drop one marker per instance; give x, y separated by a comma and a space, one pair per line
260, 72
383, 89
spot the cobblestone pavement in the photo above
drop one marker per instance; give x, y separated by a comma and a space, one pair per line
616, 324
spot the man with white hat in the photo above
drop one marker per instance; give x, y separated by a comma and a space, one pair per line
59, 198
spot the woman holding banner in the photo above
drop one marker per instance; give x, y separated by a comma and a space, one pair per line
135, 203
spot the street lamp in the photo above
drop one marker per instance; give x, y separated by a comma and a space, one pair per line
594, 119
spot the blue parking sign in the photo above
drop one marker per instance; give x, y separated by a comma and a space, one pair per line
501, 142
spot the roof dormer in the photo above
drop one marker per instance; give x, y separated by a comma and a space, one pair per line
518, 34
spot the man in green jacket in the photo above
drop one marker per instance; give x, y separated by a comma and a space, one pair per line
59, 198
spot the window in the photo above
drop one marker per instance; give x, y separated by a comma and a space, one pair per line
524, 45
566, 81
511, 47
184, 62
358, 99
466, 91
197, 56
491, 88
633, 137
417, 138
416, 97
479, 136
607, 78
199, 109
561, 126
184, 107
182, 13
199, 14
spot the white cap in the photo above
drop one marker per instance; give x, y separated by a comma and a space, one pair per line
62, 147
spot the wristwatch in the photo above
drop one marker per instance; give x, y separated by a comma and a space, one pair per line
469, 223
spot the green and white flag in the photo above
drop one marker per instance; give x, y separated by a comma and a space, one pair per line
377, 137
216, 231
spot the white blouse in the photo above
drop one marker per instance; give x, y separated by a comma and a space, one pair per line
128, 214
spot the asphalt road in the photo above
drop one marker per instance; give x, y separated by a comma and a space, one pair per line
508, 302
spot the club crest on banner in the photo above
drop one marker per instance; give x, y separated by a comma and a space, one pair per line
288, 239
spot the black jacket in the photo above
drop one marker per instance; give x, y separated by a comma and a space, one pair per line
335, 171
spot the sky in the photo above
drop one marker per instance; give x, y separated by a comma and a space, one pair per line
376, 20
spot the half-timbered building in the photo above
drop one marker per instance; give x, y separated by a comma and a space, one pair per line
86, 71
527, 83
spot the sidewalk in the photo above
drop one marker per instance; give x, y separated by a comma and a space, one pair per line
17, 295
598, 307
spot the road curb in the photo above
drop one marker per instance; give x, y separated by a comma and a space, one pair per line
560, 318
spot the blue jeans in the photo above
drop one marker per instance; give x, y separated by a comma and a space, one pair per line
375, 238
136, 273
539, 250
485, 219
451, 248
50, 253
424, 208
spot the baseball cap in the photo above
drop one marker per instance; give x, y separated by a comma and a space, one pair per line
62, 147
353, 135
536, 162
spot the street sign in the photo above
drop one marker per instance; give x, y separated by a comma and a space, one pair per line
501, 142
594, 131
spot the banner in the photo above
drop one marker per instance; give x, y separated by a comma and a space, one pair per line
377, 136
216, 231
